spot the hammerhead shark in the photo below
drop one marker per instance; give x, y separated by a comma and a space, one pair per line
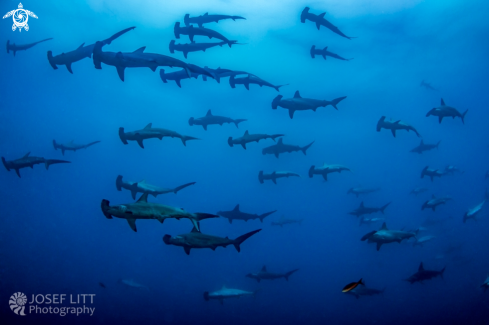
22, 47
427, 171
186, 48
236, 214
136, 59
472, 212
485, 285
362, 191
149, 132
362, 290
210, 119
320, 21
280, 147
196, 239
425, 147
143, 209
362, 209
418, 190
324, 53
446, 111
386, 236
394, 126
206, 18
265, 275
423, 274
29, 161
275, 175
226, 293
67, 59
143, 187
434, 202
427, 85
298, 103
326, 169
192, 31
71, 146
223, 73
286, 221
251, 79
177, 76
247, 138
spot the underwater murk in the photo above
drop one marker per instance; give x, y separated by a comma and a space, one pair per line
244, 162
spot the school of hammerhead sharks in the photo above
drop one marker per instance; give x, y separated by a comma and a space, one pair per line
142, 209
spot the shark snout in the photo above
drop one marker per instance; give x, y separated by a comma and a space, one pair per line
167, 239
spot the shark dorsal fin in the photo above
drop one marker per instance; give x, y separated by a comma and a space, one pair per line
236, 208
195, 230
264, 268
209, 113
421, 268
148, 126
297, 94
280, 141
322, 15
397, 122
27, 155
140, 50
79, 47
143, 198
361, 205
432, 196
384, 227
246, 132
442, 102
206, 15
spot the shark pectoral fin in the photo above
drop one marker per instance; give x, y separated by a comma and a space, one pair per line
187, 249
247, 86
274, 180
318, 25
378, 246
440, 118
17, 172
132, 224
196, 224
120, 72
325, 176
68, 66
291, 113
140, 142
244, 145
393, 132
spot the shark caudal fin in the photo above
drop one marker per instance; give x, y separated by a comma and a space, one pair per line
118, 183
122, 135
313, 55
50, 59
335, 101
263, 216
55, 145
186, 138
49, 162
237, 121
6, 164
463, 116
260, 176
385, 206
238, 241
380, 123
277, 88
276, 101
105, 207
304, 149
181, 187
286, 275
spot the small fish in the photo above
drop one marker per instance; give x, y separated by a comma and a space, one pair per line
352, 286
102, 285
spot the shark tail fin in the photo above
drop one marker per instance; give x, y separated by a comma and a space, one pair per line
50, 162
105, 207
311, 171
122, 135
91, 144
237, 121
286, 276
335, 101
238, 241
276, 101
185, 138
5, 163
304, 149
263, 216
50, 59
463, 116
55, 145
260, 176
312, 51
202, 216
277, 88
118, 182
385, 206
181, 187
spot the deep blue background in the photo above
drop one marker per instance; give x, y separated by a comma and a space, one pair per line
55, 239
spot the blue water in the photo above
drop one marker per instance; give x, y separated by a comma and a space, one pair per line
55, 240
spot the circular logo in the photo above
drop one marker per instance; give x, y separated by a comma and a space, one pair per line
17, 303
20, 18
